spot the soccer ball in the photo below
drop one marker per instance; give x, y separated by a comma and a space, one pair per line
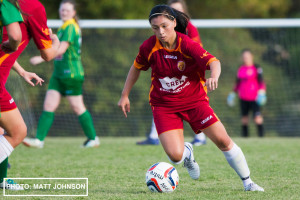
162, 177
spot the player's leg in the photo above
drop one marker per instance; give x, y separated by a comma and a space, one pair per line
179, 151
16, 129
51, 103
232, 153
258, 119
85, 120
152, 138
245, 107
170, 132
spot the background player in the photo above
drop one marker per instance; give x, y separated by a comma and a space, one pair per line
66, 80
34, 26
251, 90
192, 32
178, 92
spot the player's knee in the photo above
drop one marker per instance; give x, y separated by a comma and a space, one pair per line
18, 134
50, 107
78, 109
175, 156
258, 119
224, 145
245, 120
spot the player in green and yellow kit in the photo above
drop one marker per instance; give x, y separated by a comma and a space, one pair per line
67, 80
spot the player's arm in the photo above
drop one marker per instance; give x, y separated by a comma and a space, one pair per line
28, 76
215, 72
35, 60
131, 79
49, 53
14, 38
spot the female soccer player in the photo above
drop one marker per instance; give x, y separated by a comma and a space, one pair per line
178, 92
251, 90
34, 26
192, 32
67, 80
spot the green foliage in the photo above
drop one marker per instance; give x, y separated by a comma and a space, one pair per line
204, 9
116, 170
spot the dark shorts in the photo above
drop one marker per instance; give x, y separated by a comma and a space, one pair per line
247, 106
199, 118
66, 86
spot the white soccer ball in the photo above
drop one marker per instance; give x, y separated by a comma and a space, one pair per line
162, 177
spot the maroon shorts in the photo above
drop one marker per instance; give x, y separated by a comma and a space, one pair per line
7, 103
199, 118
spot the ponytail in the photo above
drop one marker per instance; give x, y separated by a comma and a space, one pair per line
172, 14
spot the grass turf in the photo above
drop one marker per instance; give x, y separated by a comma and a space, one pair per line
116, 170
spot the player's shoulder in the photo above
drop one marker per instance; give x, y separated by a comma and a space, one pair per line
148, 45
186, 42
190, 26
29, 7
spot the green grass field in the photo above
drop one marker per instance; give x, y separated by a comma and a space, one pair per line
116, 170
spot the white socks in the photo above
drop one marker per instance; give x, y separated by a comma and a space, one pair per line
5, 148
153, 133
186, 154
237, 161
200, 136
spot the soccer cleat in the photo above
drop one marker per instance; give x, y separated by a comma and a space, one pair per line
91, 143
254, 187
9, 184
197, 142
33, 142
190, 164
149, 141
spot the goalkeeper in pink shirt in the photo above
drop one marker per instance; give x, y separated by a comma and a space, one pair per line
251, 90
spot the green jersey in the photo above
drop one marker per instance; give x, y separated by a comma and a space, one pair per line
69, 64
8, 15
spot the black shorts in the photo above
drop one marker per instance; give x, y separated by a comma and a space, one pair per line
246, 106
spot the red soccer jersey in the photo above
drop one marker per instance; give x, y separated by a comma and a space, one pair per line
34, 26
193, 33
177, 75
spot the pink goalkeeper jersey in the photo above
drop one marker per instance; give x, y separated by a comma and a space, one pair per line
177, 75
249, 83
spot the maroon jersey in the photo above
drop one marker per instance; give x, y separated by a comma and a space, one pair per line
34, 26
193, 33
178, 75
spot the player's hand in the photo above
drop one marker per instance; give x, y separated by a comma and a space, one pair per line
211, 84
35, 60
53, 36
124, 105
6, 47
29, 76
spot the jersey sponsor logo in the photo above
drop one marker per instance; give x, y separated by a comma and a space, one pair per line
11, 101
170, 57
204, 54
207, 119
181, 65
46, 31
174, 85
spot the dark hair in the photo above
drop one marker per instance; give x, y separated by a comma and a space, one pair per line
74, 5
183, 3
246, 50
181, 18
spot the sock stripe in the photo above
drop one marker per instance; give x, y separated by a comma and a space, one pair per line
245, 178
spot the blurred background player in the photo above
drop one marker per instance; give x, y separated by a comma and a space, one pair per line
179, 92
251, 90
192, 32
66, 80
34, 26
